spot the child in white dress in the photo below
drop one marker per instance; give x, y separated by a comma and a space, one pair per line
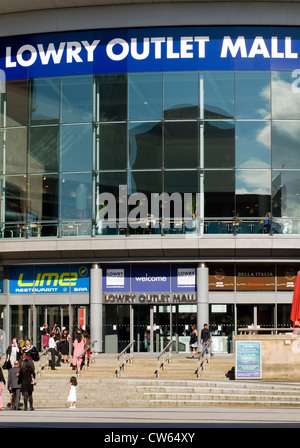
72, 392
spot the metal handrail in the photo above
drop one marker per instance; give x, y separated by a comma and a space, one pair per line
163, 353
201, 360
83, 353
125, 360
45, 352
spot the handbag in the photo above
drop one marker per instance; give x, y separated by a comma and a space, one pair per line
6, 365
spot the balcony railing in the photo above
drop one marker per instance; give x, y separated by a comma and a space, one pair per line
149, 228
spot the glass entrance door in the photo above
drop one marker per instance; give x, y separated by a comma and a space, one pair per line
141, 324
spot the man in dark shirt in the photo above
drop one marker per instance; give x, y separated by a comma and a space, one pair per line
205, 338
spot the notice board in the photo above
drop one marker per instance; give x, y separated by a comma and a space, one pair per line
248, 360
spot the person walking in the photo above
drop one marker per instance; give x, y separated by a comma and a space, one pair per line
72, 396
14, 385
13, 352
45, 336
26, 378
205, 338
194, 342
2, 380
54, 352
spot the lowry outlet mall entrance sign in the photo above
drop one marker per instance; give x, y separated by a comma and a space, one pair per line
150, 49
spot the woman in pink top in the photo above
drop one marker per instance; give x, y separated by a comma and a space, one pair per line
78, 345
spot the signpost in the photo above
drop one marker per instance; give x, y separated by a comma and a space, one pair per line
248, 360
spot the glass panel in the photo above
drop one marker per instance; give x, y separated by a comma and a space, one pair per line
252, 94
265, 316
219, 144
219, 189
42, 197
16, 104
44, 104
285, 144
145, 96
114, 183
286, 193
16, 150
181, 145
113, 146
285, 101
181, 95
111, 101
253, 144
145, 145
75, 196
218, 94
245, 315
76, 147
15, 198
145, 182
43, 149
253, 192
182, 207
76, 99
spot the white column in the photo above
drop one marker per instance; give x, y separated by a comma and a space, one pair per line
202, 296
96, 311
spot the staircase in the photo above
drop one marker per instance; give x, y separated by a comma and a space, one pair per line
177, 385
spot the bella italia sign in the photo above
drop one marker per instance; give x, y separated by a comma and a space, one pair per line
150, 49
149, 298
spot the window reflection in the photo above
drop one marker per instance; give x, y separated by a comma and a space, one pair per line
145, 145
181, 95
76, 144
16, 113
44, 101
253, 144
286, 193
219, 189
76, 99
218, 94
252, 98
111, 97
181, 144
43, 194
16, 150
145, 96
285, 102
112, 151
15, 198
75, 196
253, 192
285, 144
219, 144
43, 149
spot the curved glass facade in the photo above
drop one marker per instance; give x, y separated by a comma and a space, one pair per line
228, 139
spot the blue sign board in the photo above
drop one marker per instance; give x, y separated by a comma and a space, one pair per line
248, 360
150, 49
150, 278
49, 279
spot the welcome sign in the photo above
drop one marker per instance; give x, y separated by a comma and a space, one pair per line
150, 49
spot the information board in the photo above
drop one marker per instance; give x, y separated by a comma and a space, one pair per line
248, 360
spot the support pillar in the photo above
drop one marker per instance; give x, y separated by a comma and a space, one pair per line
202, 297
96, 307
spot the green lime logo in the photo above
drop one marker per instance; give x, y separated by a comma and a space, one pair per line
65, 290
83, 271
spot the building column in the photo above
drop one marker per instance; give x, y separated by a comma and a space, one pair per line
202, 297
96, 310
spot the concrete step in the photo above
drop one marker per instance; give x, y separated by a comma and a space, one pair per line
177, 385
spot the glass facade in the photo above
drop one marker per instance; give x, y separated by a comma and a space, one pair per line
229, 139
